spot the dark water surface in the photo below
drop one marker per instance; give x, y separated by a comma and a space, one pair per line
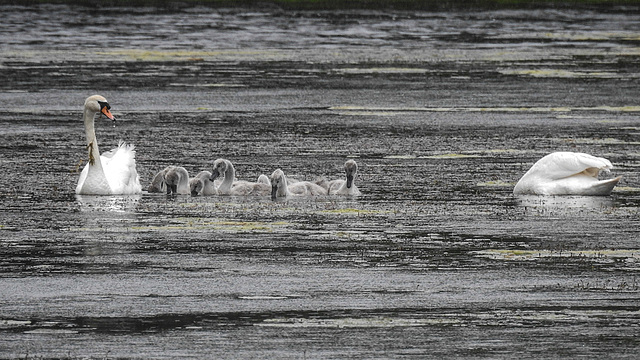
437, 259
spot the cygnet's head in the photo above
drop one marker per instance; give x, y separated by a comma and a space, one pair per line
172, 178
351, 168
219, 169
157, 184
197, 185
264, 179
278, 184
98, 104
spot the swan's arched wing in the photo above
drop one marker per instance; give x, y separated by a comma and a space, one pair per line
560, 165
119, 167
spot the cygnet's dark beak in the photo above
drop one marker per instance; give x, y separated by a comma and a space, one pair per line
349, 180
274, 192
214, 174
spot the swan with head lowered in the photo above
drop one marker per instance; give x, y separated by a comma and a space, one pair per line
348, 186
201, 184
176, 179
157, 183
114, 172
280, 187
567, 173
229, 186
196, 185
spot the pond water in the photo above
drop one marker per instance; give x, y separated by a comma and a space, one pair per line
443, 113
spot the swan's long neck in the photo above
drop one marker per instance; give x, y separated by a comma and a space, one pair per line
283, 188
95, 182
92, 142
229, 176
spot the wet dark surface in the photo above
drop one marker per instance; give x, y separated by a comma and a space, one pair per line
443, 113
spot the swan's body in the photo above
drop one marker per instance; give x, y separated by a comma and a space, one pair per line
264, 179
348, 186
323, 182
176, 179
306, 188
229, 186
112, 173
280, 187
247, 188
566, 173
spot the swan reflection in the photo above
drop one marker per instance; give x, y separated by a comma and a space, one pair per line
115, 203
537, 203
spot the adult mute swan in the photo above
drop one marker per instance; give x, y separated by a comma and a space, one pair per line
566, 173
177, 180
114, 172
345, 187
281, 188
229, 186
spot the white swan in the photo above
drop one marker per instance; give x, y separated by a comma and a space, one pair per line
566, 173
281, 188
348, 186
176, 179
114, 172
229, 186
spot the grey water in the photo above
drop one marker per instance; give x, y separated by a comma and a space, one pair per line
443, 111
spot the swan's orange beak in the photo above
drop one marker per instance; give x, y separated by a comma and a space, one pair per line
107, 113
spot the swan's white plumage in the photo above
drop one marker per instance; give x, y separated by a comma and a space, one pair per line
112, 173
566, 173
